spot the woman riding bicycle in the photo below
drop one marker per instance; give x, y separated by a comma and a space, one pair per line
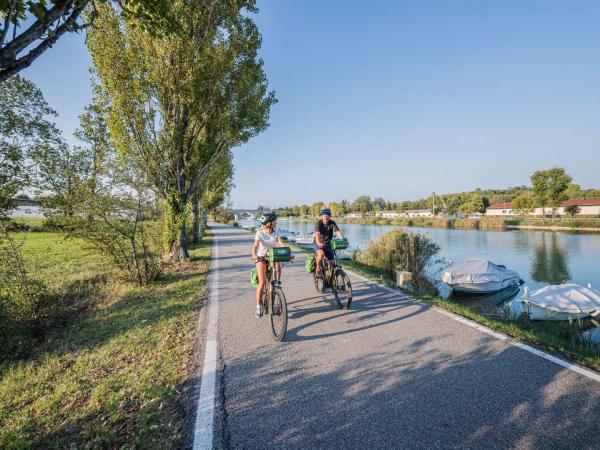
266, 237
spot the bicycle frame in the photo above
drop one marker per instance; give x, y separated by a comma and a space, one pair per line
268, 289
325, 269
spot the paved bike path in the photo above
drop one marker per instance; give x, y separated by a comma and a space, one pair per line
389, 373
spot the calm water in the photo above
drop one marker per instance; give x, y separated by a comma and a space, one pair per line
541, 258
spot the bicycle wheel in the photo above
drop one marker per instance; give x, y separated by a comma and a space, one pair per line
319, 281
342, 289
278, 314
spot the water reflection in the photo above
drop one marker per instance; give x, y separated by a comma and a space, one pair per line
493, 304
550, 261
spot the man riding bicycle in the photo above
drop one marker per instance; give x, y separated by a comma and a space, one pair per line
324, 230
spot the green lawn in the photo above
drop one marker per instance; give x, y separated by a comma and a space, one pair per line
112, 374
57, 260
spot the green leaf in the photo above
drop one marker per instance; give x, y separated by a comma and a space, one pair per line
38, 9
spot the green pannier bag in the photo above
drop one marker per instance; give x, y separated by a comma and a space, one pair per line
310, 264
254, 277
280, 254
339, 244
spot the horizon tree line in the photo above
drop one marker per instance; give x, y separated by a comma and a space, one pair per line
548, 190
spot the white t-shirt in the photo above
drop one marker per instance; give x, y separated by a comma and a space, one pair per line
265, 241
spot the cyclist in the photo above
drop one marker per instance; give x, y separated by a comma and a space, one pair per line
324, 230
266, 237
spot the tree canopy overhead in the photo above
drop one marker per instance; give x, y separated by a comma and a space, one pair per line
30, 27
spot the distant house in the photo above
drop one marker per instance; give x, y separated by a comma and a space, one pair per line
500, 209
354, 215
587, 207
388, 214
418, 213
475, 215
26, 209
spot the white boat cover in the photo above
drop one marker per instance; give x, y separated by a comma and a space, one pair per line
476, 271
568, 298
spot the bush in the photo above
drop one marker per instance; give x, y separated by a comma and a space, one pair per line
24, 300
222, 215
55, 223
399, 250
132, 245
9, 225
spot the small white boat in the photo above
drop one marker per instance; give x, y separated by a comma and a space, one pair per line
561, 302
479, 276
304, 241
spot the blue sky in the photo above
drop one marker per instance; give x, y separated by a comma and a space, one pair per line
401, 98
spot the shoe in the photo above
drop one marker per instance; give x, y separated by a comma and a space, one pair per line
277, 283
259, 312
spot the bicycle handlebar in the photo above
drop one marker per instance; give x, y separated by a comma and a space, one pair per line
265, 258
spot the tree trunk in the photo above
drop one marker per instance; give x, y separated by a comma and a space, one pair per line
175, 231
543, 214
196, 221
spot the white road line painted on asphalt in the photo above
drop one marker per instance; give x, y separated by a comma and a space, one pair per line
203, 428
566, 364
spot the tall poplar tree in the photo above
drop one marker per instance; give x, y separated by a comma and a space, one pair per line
177, 103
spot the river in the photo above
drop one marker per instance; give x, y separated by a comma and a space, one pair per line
540, 257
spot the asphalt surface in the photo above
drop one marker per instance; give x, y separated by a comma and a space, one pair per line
389, 373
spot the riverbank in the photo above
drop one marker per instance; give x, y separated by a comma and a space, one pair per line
562, 339
591, 225
112, 371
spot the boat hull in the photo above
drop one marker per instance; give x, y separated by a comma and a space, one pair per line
540, 313
484, 288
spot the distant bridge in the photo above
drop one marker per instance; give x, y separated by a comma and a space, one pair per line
246, 214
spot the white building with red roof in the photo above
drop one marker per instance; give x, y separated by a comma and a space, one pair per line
587, 207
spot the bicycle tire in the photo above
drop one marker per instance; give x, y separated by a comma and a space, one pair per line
279, 315
342, 289
319, 282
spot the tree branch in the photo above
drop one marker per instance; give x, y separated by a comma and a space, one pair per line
9, 62
11, 8
225, 145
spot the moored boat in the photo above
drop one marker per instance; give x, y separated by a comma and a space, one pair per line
568, 301
479, 276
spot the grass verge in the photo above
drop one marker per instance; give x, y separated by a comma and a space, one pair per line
112, 374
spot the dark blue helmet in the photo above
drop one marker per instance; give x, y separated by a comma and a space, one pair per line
325, 211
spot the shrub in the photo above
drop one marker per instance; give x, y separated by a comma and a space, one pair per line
24, 300
399, 250
13, 225
222, 215
55, 223
133, 245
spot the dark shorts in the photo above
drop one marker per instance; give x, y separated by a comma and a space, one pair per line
328, 251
